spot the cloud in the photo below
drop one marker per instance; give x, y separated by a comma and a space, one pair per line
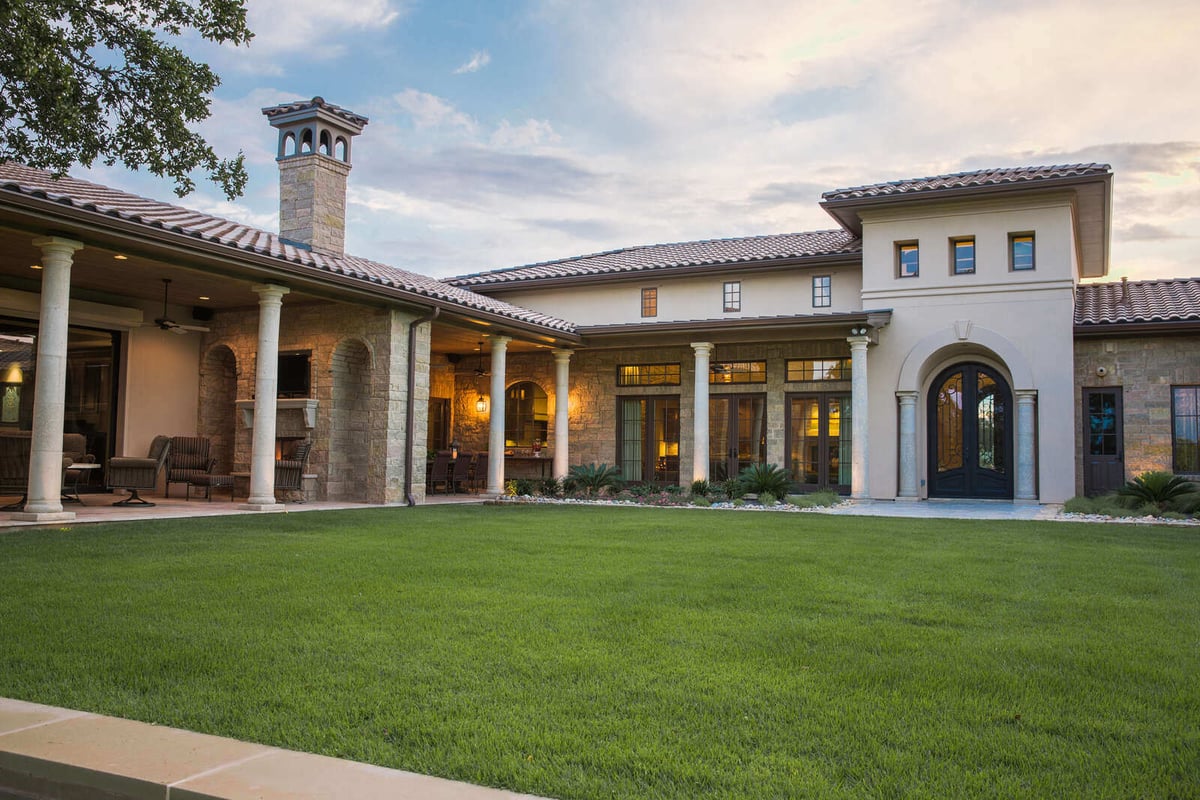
1143, 232
530, 133
479, 59
315, 27
431, 111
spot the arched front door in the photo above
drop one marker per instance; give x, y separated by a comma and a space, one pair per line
970, 434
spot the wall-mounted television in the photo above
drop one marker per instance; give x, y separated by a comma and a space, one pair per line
295, 374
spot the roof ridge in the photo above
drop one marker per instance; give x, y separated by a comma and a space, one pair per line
1000, 174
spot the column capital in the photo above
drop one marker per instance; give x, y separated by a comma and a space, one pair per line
500, 341
1025, 395
562, 356
907, 397
57, 244
859, 341
703, 348
269, 291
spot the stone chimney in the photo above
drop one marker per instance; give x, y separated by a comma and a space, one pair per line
314, 161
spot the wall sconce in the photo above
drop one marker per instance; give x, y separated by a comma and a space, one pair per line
14, 374
481, 405
860, 330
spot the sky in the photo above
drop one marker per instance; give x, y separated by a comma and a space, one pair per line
506, 132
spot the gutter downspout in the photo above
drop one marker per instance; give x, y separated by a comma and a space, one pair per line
410, 411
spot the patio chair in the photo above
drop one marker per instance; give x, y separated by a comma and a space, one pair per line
479, 473
289, 472
189, 458
439, 471
134, 474
460, 476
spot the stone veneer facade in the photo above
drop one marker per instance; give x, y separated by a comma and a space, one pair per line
1145, 368
312, 201
359, 378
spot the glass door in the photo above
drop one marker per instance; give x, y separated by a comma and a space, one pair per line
970, 434
818, 435
737, 434
648, 439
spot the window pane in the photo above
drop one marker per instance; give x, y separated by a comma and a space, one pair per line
1186, 406
649, 302
738, 372
648, 375
818, 369
964, 256
1022, 252
632, 416
732, 296
949, 423
909, 260
821, 294
805, 444
526, 415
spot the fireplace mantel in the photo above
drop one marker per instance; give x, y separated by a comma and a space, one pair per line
306, 405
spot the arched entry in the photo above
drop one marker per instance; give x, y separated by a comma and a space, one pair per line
970, 433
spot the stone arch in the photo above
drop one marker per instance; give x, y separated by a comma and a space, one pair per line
349, 463
289, 144
527, 415
326, 145
341, 149
963, 341
306, 141
218, 404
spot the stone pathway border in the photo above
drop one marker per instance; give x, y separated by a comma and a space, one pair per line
72, 755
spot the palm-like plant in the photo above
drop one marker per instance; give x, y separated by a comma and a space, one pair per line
1158, 488
591, 479
765, 478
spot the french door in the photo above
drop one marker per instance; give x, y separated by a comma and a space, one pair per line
648, 439
1104, 441
737, 434
970, 434
818, 436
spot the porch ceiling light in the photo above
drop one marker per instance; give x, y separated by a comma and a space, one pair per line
859, 330
35, 266
481, 404
120, 257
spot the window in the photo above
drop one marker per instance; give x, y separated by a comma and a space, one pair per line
1185, 428
908, 260
822, 296
526, 415
738, 372
649, 302
732, 296
818, 369
962, 255
648, 375
294, 375
1020, 251
648, 439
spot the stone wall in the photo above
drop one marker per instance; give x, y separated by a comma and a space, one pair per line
312, 201
1145, 368
594, 393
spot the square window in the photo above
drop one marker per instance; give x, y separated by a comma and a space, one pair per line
822, 296
908, 260
962, 255
1021, 251
649, 302
732, 296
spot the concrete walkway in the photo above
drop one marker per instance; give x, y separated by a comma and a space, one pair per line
72, 755
947, 509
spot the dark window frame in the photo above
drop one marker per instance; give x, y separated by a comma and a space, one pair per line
739, 373
903, 248
1177, 464
843, 369
731, 296
822, 291
1015, 263
955, 242
650, 301
666, 373
665, 468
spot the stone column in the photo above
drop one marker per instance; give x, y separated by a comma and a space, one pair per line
908, 444
700, 412
44, 499
266, 383
562, 363
495, 477
859, 411
1026, 489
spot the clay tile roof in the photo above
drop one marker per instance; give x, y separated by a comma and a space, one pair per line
965, 180
357, 120
1172, 300
103, 200
645, 258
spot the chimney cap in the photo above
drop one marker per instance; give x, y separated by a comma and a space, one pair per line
298, 110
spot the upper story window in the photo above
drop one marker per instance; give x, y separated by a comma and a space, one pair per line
822, 296
818, 369
650, 302
731, 296
1185, 428
908, 259
738, 372
1021, 255
648, 375
962, 255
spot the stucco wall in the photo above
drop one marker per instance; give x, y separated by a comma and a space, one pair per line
1145, 368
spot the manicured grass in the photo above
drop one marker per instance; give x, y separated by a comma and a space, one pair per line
597, 653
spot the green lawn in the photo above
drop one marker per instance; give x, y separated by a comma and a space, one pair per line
585, 652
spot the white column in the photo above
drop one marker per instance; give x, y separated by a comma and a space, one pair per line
495, 478
44, 500
1026, 488
562, 363
700, 412
908, 443
859, 410
266, 383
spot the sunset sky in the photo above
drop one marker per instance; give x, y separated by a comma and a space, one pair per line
504, 133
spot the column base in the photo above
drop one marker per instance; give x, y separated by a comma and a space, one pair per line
251, 506
1025, 501
907, 499
43, 516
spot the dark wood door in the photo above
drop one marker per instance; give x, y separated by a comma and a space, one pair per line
970, 434
1103, 441
737, 434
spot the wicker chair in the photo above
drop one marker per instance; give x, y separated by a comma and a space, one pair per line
289, 472
132, 473
460, 475
437, 471
189, 458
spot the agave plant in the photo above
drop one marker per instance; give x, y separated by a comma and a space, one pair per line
765, 478
1158, 488
591, 479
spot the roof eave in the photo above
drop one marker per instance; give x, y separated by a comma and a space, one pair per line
1089, 330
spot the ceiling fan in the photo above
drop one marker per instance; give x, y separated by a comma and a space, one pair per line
170, 324
480, 371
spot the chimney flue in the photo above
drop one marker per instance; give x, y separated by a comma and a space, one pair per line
314, 162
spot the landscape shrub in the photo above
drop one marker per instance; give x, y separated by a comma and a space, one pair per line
759, 478
701, 501
701, 488
523, 487
549, 487
815, 499
767, 499
1159, 489
732, 488
593, 479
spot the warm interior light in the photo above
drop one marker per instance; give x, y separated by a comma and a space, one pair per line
120, 257
14, 374
481, 404
204, 297
35, 266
